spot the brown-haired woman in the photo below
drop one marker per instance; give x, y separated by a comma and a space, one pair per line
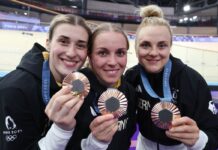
107, 60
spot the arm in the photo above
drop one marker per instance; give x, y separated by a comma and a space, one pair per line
55, 139
186, 131
17, 124
102, 130
206, 120
202, 123
61, 109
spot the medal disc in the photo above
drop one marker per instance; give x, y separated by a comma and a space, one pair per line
163, 113
80, 83
112, 101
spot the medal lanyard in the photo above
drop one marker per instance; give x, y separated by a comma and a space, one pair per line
216, 105
166, 86
45, 82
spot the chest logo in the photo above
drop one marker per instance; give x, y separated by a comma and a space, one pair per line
11, 133
212, 107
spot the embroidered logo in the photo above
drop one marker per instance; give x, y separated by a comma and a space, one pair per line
122, 124
9, 122
139, 89
175, 95
144, 104
12, 132
212, 107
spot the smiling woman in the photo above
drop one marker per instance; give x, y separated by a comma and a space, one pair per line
33, 93
174, 101
107, 116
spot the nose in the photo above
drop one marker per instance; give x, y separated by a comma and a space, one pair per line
153, 51
71, 51
112, 60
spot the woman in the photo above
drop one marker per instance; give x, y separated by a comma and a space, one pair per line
107, 59
29, 104
161, 78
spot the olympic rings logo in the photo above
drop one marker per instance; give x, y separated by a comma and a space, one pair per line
10, 137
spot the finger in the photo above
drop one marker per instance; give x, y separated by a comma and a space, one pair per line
106, 135
111, 129
182, 121
68, 105
104, 125
75, 108
58, 103
100, 119
184, 128
109, 132
186, 141
69, 117
183, 135
64, 90
66, 117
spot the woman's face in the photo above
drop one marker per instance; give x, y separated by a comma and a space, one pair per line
153, 48
109, 57
67, 49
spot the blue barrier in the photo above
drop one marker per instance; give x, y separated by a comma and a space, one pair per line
3, 73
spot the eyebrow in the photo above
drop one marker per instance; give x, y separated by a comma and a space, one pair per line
82, 41
66, 37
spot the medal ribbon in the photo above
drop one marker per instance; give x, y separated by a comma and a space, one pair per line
166, 86
45, 82
216, 105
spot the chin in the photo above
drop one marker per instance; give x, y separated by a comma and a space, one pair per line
153, 70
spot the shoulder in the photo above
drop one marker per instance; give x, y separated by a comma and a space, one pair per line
132, 75
87, 72
19, 80
127, 88
133, 70
185, 72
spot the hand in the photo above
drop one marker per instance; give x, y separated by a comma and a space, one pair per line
104, 127
63, 107
185, 130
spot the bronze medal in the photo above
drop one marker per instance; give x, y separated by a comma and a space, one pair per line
80, 83
163, 113
112, 101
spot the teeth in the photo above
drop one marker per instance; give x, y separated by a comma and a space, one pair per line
70, 62
112, 72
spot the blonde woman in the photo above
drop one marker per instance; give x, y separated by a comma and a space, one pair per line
173, 98
36, 112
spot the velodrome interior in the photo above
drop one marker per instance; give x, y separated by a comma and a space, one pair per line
196, 46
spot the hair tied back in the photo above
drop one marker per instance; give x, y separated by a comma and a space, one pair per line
151, 11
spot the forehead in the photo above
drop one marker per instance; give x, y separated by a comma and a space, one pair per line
154, 33
70, 31
110, 38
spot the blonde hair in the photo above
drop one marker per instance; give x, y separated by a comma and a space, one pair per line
70, 19
152, 15
105, 27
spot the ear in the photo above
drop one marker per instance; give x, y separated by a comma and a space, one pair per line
89, 62
48, 44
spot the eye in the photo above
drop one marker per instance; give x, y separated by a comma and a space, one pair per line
102, 53
81, 46
145, 45
121, 52
63, 41
162, 45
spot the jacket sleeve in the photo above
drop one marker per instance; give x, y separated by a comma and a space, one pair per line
207, 121
17, 127
91, 143
55, 139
